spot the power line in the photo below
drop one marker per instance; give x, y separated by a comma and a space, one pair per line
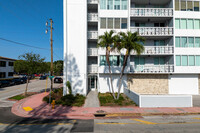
27, 45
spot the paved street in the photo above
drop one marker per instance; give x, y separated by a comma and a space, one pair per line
10, 123
34, 86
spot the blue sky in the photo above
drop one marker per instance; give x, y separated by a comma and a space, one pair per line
24, 21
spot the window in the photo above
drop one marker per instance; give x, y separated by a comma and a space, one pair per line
117, 23
183, 24
102, 4
103, 60
189, 6
159, 61
124, 23
139, 60
184, 42
197, 60
190, 24
191, 60
110, 23
103, 23
110, 4
184, 60
196, 24
11, 64
2, 74
177, 23
117, 5
2, 63
178, 60
196, 5
183, 5
10, 74
191, 42
124, 4
177, 41
197, 42
177, 7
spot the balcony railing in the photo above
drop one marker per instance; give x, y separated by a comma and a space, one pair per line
152, 69
92, 51
152, 12
153, 31
157, 50
92, 68
92, 34
92, 1
93, 17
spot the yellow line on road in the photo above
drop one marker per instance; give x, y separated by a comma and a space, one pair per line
116, 123
197, 118
145, 122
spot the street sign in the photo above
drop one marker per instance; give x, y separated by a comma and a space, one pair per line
51, 77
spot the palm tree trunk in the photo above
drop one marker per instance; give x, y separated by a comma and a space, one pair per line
122, 74
107, 58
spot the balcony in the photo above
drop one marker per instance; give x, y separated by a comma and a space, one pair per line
93, 17
92, 68
151, 12
92, 51
153, 31
152, 69
92, 34
92, 1
154, 50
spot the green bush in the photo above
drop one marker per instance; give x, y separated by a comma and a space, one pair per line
69, 87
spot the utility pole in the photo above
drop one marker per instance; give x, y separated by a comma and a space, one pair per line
51, 43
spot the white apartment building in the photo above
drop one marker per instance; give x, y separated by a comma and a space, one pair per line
6, 67
170, 63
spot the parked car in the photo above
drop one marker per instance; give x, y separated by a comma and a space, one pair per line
58, 80
23, 80
15, 81
4, 83
43, 77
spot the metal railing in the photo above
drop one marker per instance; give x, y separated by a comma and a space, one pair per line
92, 34
92, 68
152, 12
157, 50
153, 31
152, 69
92, 51
92, 17
93, 1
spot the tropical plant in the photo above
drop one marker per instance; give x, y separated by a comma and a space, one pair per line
106, 41
130, 42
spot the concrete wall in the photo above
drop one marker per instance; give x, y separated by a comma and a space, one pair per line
183, 84
75, 45
148, 83
104, 83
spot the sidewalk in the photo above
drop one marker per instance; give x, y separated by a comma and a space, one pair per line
43, 110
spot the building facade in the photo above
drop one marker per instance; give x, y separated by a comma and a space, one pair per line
170, 63
6, 67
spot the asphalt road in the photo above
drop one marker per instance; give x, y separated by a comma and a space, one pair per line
9, 123
33, 86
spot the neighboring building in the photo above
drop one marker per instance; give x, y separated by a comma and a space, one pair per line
6, 67
170, 63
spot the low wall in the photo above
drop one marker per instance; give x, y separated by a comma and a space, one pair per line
159, 100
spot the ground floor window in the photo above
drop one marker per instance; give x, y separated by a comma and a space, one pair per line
2, 74
10, 74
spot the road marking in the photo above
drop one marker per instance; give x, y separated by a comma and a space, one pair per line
116, 123
27, 108
35, 124
145, 122
197, 118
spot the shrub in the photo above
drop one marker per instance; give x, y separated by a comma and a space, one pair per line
69, 87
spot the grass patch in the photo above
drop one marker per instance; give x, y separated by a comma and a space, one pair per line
106, 99
22, 96
67, 100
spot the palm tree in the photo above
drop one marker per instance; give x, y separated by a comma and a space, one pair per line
129, 41
106, 41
